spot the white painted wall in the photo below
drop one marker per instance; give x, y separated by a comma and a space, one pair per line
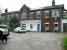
63, 21
28, 22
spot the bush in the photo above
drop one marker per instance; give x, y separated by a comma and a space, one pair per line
10, 30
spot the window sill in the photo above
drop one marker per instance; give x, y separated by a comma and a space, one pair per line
46, 28
56, 29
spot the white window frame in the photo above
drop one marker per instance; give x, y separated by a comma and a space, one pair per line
23, 25
56, 13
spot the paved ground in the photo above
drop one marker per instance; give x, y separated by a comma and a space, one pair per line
33, 41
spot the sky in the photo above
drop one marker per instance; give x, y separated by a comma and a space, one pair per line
13, 5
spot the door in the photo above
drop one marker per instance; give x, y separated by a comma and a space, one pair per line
38, 27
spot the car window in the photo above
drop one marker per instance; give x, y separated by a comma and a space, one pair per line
4, 27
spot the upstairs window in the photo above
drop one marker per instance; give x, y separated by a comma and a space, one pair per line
38, 14
24, 15
31, 14
55, 13
46, 14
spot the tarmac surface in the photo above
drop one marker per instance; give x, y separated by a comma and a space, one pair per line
33, 41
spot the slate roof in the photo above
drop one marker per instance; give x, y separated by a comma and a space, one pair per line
47, 7
50, 7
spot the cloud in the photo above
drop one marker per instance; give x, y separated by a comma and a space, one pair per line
13, 5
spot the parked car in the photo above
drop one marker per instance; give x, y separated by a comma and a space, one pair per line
19, 29
4, 28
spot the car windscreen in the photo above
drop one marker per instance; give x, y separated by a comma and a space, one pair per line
4, 27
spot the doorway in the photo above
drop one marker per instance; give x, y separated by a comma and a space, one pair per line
38, 27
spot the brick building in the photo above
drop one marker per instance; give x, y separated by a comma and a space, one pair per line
42, 19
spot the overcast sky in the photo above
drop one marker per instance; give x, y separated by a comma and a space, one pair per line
13, 5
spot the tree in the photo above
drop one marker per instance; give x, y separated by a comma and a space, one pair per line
1, 21
13, 21
65, 15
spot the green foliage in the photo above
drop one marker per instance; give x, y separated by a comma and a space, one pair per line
12, 22
65, 42
1, 21
65, 17
65, 27
10, 30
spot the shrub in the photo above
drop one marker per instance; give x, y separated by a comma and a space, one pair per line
10, 30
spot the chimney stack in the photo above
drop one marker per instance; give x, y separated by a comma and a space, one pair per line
53, 3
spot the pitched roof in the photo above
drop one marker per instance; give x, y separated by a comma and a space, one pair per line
25, 7
47, 7
50, 7
56, 6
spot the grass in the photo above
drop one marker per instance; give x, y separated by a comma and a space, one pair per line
65, 42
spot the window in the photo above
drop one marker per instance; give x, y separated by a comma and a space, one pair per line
46, 26
23, 26
55, 13
31, 26
38, 14
23, 15
31, 14
56, 26
46, 14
